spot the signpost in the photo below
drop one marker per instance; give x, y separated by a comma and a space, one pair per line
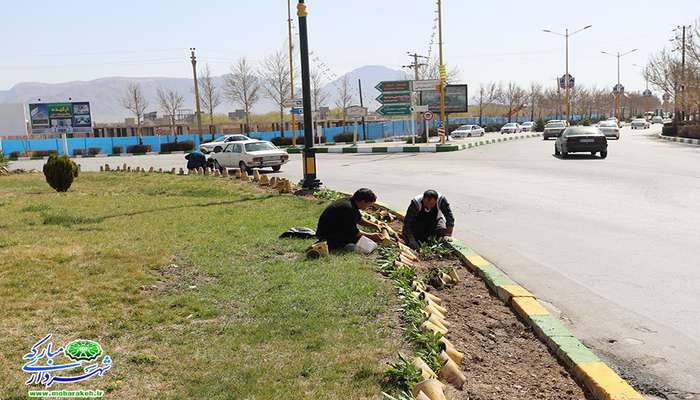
428, 84
427, 116
297, 110
355, 113
395, 97
456, 99
294, 103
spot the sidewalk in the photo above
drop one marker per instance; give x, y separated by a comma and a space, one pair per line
403, 147
695, 142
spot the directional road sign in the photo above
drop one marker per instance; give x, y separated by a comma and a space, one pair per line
355, 112
394, 86
395, 109
427, 84
297, 110
298, 103
394, 98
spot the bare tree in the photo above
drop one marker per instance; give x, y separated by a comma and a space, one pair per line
431, 70
242, 87
345, 96
170, 102
208, 93
134, 101
276, 81
488, 94
513, 97
318, 95
534, 97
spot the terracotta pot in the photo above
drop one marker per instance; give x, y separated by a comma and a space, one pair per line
439, 321
436, 306
429, 326
451, 372
424, 368
430, 310
432, 388
455, 276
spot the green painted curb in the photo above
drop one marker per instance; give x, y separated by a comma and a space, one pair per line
411, 149
349, 149
447, 147
494, 277
380, 149
548, 326
571, 351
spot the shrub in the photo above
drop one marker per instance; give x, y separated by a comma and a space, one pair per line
3, 162
60, 172
15, 154
669, 130
287, 141
93, 151
583, 122
493, 127
116, 150
138, 148
343, 137
177, 146
539, 125
690, 131
78, 152
44, 153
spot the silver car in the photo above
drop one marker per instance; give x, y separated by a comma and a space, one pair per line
511, 127
527, 126
610, 129
219, 144
640, 123
250, 154
467, 131
553, 129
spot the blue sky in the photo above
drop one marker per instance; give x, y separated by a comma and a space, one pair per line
57, 41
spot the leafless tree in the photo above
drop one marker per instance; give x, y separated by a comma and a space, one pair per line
134, 101
170, 102
345, 96
431, 70
319, 96
242, 87
534, 96
275, 78
209, 93
513, 97
488, 94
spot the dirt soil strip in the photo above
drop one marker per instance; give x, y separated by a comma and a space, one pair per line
503, 357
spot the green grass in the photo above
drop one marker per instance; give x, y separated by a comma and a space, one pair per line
184, 283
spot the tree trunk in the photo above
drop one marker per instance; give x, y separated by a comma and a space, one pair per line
247, 120
281, 121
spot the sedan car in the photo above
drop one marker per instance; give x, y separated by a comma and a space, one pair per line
250, 154
219, 144
527, 126
553, 129
609, 129
511, 127
657, 119
581, 139
640, 123
467, 131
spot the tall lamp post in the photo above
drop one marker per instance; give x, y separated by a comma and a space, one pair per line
309, 182
567, 84
647, 93
619, 90
196, 90
291, 69
443, 77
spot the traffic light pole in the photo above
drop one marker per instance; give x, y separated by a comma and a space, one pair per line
310, 182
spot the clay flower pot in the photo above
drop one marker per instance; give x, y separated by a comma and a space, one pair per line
430, 327
432, 388
451, 372
451, 351
424, 368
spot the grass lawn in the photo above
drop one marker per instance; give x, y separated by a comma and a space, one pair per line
184, 283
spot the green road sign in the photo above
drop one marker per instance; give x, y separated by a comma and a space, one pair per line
394, 86
395, 109
394, 98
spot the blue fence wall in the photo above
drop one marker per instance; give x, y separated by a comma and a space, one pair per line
374, 130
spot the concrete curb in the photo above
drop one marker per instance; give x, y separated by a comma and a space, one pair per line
434, 148
694, 142
103, 155
579, 360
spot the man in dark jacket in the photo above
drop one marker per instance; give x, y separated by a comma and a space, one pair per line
428, 215
196, 160
338, 222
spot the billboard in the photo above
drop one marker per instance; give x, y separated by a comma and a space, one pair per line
456, 99
72, 117
13, 119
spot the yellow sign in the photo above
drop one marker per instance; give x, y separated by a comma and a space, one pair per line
443, 72
301, 10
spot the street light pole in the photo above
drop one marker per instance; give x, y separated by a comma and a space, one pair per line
443, 76
196, 91
310, 182
291, 69
618, 94
567, 85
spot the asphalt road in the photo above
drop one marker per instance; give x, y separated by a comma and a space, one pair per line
611, 245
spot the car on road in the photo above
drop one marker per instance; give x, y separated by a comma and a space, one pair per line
640, 123
553, 129
511, 127
467, 131
657, 119
615, 120
581, 139
609, 129
249, 154
219, 144
528, 126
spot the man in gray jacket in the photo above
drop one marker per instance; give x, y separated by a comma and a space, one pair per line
428, 215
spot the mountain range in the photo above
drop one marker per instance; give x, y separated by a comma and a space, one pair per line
104, 94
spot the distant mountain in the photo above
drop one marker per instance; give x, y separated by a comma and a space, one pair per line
104, 94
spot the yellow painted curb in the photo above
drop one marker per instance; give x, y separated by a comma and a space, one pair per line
478, 261
604, 383
506, 292
526, 306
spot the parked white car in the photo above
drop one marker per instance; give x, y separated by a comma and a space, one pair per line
250, 154
528, 126
467, 131
219, 144
511, 127
609, 129
640, 123
657, 119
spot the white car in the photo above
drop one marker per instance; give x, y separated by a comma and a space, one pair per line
657, 119
640, 123
609, 129
511, 127
527, 126
250, 154
219, 144
467, 131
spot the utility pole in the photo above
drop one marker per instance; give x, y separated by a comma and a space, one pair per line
683, 76
310, 182
364, 126
196, 91
415, 66
619, 93
443, 75
291, 68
